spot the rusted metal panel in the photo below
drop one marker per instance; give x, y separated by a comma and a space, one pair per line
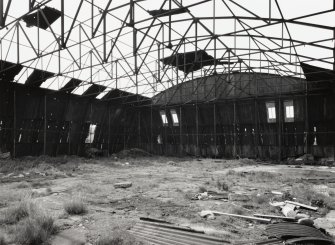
160, 233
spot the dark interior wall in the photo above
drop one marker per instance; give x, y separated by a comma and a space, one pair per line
226, 127
208, 130
23, 110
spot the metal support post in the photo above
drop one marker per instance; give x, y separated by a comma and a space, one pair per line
14, 123
45, 126
214, 121
62, 24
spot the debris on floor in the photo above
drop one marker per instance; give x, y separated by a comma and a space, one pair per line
123, 185
305, 159
162, 233
205, 213
210, 195
5, 155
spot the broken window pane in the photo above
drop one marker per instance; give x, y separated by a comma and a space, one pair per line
164, 118
289, 111
174, 117
91, 132
271, 111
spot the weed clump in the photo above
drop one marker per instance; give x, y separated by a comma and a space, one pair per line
75, 207
30, 225
221, 185
18, 212
118, 238
2, 241
35, 230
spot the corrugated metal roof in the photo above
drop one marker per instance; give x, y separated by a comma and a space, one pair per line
166, 234
291, 230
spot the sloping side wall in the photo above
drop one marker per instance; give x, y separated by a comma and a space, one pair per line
23, 111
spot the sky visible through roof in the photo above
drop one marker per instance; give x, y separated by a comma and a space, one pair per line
251, 34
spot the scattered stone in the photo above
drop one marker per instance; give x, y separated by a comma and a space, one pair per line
305, 159
238, 197
172, 163
5, 155
306, 221
301, 216
288, 210
70, 237
327, 223
123, 185
9, 175
277, 193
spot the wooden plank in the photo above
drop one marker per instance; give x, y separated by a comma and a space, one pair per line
303, 205
274, 217
240, 216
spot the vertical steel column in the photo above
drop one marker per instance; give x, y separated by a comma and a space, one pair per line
80, 45
69, 135
139, 129
45, 126
91, 66
256, 130
180, 130
62, 24
197, 128
306, 119
104, 39
38, 32
1, 14
270, 11
214, 121
109, 127
279, 128
151, 131
18, 42
159, 63
116, 77
170, 44
59, 61
234, 128
14, 123
92, 17
124, 130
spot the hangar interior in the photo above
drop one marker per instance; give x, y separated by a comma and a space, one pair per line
211, 78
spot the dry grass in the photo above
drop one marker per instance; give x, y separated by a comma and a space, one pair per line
236, 210
30, 225
307, 194
118, 238
221, 185
34, 230
75, 206
23, 185
40, 184
18, 212
2, 241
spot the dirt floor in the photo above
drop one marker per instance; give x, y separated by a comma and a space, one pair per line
162, 188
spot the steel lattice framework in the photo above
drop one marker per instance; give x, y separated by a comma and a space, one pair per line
119, 44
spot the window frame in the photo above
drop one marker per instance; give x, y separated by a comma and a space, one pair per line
270, 105
288, 103
89, 139
174, 112
163, 115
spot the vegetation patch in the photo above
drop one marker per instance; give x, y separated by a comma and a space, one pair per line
75, 206
118, 238
18, 212
34, 230
2, 241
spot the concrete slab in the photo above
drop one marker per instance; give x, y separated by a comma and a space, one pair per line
70, 237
